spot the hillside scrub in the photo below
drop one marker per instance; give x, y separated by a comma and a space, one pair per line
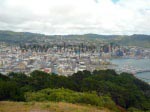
124, 89
66, 95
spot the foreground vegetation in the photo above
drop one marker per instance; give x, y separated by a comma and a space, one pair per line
99, 88
66, 95
6, 106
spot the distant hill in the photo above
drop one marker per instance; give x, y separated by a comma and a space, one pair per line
101, 36
133, 40
91, 36
14, 37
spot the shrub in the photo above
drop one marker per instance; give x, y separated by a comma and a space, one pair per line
66, 95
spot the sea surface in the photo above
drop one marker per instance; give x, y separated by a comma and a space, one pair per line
135, 63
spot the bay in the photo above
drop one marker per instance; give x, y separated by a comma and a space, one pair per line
135, 63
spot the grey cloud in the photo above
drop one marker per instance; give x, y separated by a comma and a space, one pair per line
119, 18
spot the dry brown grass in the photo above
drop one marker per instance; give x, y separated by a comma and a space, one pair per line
6, 106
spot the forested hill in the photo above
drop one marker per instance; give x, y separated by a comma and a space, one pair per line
132, 40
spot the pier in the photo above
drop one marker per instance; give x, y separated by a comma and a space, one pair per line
131, 69
141, 71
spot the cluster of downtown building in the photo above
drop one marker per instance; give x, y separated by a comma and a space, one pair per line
64, 57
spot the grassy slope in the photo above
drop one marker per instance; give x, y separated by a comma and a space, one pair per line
6, 106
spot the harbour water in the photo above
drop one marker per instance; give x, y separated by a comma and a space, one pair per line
136, 64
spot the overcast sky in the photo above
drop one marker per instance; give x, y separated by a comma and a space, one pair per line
76, 16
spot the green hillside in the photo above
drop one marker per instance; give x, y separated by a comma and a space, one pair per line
135, 40
21, 37
17, 37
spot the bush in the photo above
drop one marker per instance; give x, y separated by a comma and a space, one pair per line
66, 95
132, 109
10, 91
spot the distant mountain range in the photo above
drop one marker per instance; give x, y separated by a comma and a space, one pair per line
132, 40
